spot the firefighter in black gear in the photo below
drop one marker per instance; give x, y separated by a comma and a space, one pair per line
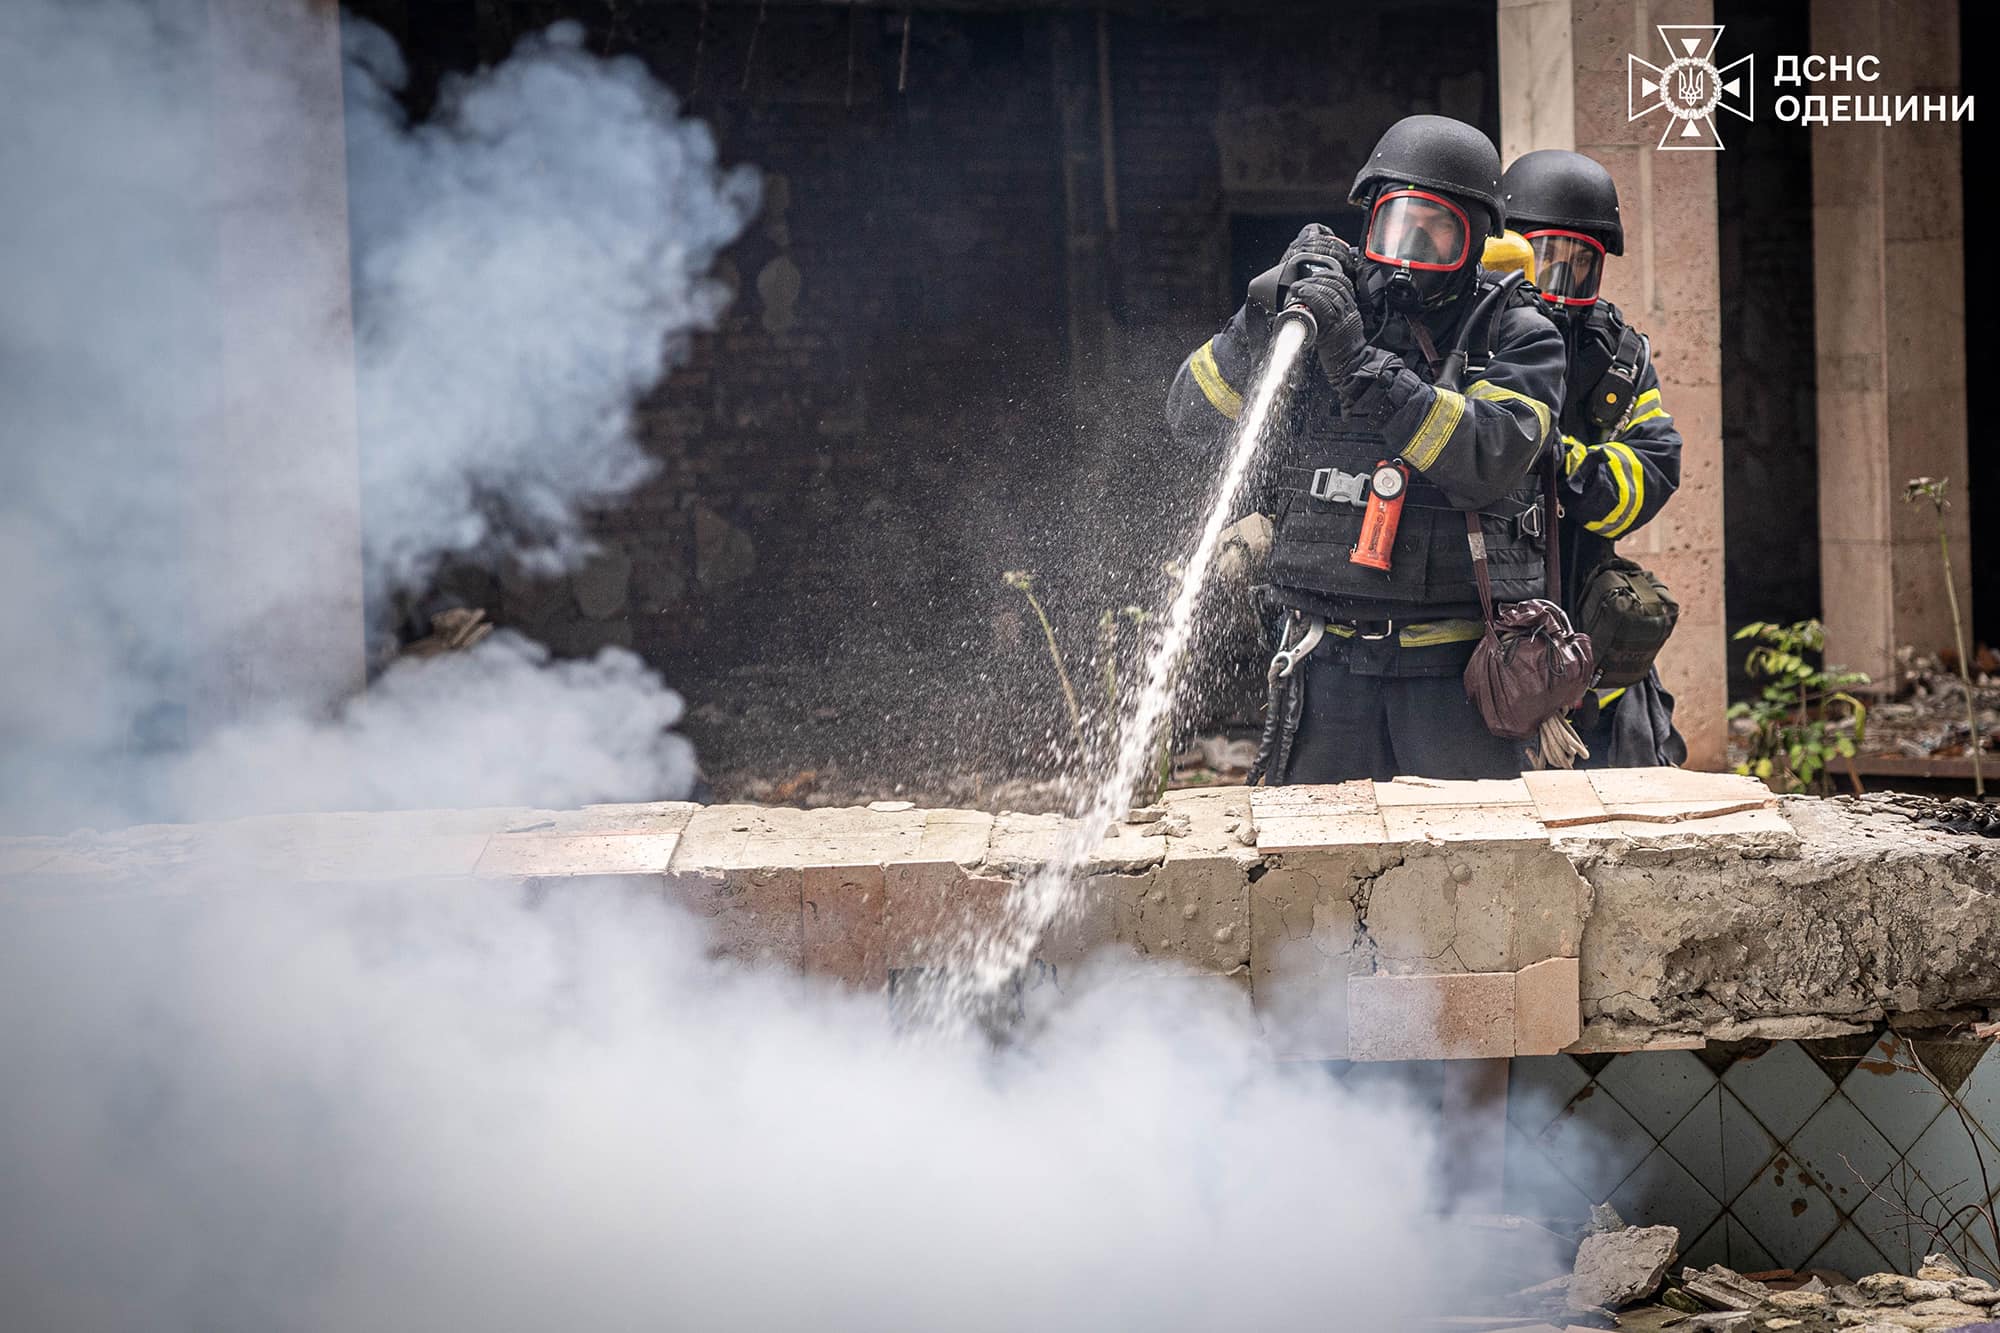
1381, 694
1621, 452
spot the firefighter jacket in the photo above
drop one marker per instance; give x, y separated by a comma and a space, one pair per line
1470, 450
1616, 477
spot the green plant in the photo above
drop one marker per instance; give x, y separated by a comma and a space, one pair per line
1932, 489
1024, 582
1112, 627
1805, 716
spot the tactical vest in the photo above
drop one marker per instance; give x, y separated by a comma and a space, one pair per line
1430, 574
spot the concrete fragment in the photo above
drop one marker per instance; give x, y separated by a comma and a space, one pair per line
753, 916
1722, 1288
1302, 933
1615, 1269
1451, 1016
1897, 1287
1548, 1012
844, 925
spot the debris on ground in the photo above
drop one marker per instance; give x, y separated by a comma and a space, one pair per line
1954, 814
1622, 1267
1719, 1299
1926, 719
455, 630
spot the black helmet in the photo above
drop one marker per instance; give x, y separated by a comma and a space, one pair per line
1553, 187
1443, 154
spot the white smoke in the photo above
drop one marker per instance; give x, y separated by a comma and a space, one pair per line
500, 725
526, 261
433, 1109
258, 1105
182, 534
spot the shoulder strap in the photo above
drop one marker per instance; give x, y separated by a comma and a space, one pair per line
1615, 389
1475, 537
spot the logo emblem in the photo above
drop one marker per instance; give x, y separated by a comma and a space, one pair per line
1689, 87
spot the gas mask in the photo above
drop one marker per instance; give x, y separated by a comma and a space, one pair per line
1419, 248
1568, 267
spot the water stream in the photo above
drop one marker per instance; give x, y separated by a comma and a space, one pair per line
986, 960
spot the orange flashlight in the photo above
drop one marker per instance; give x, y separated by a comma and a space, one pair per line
1386, 490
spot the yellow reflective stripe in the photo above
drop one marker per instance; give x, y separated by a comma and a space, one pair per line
1644, 408
1621, 522
1573, 455
1423, 633
1492, 392
1631, 479
1213, 387
1438, 423
1441, 631
1605, 697
1616, 466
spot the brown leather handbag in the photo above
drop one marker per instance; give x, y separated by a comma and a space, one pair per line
1531, 665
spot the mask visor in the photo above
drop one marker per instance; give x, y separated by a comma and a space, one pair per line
1419, 230
1568, 266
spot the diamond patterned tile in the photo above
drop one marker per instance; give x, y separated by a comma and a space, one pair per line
1746, 1253
1980, 1093
1710, 1247
1539, 1086
1900, 1105
1782, 1087
1788, 1214
1950, 1161
1662, 1193
1974, 1243
1696, 1142
1721, 1144
1837, 1143
1535, 1188
1596, 1143
1657, 1087
1881, 1218
1849, 1253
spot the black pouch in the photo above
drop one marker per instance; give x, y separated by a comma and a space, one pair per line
1628, 614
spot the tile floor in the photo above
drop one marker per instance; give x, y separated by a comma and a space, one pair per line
1766, 1155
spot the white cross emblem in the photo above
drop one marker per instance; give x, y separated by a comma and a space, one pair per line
1689, 87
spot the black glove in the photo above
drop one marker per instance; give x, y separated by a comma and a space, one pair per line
1316, 242
1341, 344
1320, 243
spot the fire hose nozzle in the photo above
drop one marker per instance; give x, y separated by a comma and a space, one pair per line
1304, 316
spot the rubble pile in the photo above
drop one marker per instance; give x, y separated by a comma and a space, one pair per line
1956, 814
1621, 1281
1927, 719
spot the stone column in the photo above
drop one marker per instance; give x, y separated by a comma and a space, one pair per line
1888, 259
1667, 283
276, 555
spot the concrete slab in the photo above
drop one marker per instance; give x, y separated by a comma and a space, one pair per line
543, 855
1453, 1016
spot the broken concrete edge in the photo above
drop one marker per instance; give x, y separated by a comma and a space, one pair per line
1842, 915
